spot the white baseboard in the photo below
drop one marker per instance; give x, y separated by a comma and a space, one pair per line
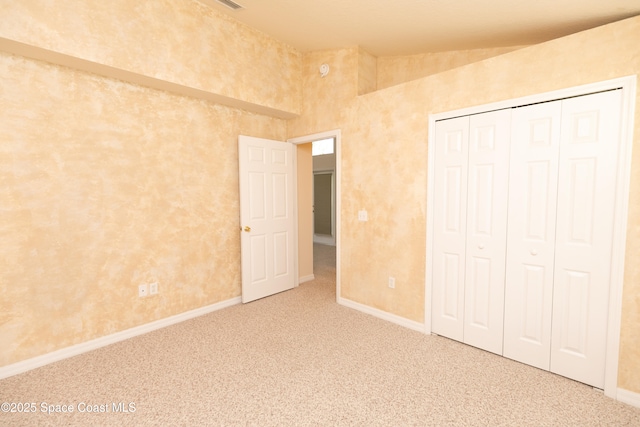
308, 278
74, 350
628, 397
393, 318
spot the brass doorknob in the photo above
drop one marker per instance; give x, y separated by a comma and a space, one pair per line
247, 228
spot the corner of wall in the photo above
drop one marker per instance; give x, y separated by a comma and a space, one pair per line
367, 72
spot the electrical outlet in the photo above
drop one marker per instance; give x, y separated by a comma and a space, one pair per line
142, 290
392, 282
363, 215
153, 288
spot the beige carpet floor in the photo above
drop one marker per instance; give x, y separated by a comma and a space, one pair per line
300, 359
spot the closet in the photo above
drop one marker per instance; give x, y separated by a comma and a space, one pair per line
523, 229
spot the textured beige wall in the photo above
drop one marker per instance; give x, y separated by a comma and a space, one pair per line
393, 70
179, 41
305, 210
325, 97
108, 185
384, 162
105, 186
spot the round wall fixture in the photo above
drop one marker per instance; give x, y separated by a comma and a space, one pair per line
324, 70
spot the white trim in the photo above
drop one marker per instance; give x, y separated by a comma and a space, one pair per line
296, 246
586, 89
629, 397
304, 279
84, 347
628, 85
619, 237
389, 317
431, 153
337, 134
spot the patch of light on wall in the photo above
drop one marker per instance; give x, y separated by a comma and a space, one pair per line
322, 146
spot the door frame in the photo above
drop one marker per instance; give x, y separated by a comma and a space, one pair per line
628, 86
336, 134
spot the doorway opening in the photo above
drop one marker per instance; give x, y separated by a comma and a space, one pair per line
320, 239
324, 206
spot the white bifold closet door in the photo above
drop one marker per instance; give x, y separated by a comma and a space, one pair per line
560, 223
450, 227
472, 157
533, 194
584, 235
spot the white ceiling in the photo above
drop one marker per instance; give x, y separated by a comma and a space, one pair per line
405, 27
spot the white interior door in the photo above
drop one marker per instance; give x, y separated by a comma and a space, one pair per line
533, 182
584, 235
266, 216
486, 230
449, 227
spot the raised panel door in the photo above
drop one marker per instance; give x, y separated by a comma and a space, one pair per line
267, 217
486, 229
449, 232
584, 235
535, 144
